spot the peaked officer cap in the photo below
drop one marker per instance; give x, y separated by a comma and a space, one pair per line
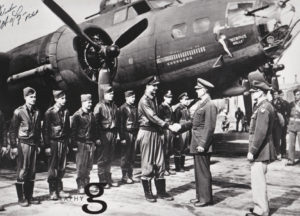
257, 81
153, 81
85, 97
28, 91
184, 94
296, 90
202, 83
168, 94
58, 93
129, 93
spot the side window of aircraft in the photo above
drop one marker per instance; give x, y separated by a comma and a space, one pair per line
235, 13
138, 9
179, 31
120, 16
201, 25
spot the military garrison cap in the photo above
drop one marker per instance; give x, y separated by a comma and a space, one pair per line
168, 94
58, 94
85, 97
202, 83
257, 81
28, 91
129, 93
184, 94
153, 81
296, 90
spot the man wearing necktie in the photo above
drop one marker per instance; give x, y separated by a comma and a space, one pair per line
25, 139
56, 131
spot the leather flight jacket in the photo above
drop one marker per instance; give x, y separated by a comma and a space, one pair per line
56, 125
83, 128
148, 115
25, 127
128, 119
106, 115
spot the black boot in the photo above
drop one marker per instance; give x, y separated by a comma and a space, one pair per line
80, 185
148, 190
177, 161
182, 162
161, 190
2, 208
110, 181
52, 190
28, 191
103, 179
60, 190
20, 191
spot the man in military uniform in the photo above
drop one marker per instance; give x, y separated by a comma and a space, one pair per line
261, 147
84, 137
150, 142
3, 141
25, 140
56, 131
282, 109
166, 113
129, 126
203, 127
106, 118
182, 141
294, 127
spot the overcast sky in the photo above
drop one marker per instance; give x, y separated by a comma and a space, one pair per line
44, 22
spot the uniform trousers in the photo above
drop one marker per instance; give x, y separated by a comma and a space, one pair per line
292, 143
26, 162
168, 145
259, 188
57, 161
203, 178
84, 162
152, 154
105, 152
182, 143
128, 153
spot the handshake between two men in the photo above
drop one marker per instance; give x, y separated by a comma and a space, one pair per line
175, 127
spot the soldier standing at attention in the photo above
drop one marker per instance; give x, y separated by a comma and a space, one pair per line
129, 126
166, 114
84, 136
106, 119
3, 141
25, 140
182, 141
203, 127
294, 127
56, 131
261, 147
150, 141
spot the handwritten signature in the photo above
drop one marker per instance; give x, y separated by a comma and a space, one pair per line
14, 15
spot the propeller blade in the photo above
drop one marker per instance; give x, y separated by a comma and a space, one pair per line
132, 33
58, 11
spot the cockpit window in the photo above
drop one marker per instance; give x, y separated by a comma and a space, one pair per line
235, 13
179, 31
160, 3
201, 25
120, 16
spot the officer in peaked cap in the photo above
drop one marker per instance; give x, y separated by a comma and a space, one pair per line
56, 131
128, 129
166, 113
261, 147
203, 126
153, 81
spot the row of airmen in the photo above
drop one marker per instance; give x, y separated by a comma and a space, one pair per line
96, 133
91, 134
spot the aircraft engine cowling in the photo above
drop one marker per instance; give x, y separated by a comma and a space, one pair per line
75, 61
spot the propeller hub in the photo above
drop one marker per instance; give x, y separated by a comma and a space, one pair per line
112, 51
